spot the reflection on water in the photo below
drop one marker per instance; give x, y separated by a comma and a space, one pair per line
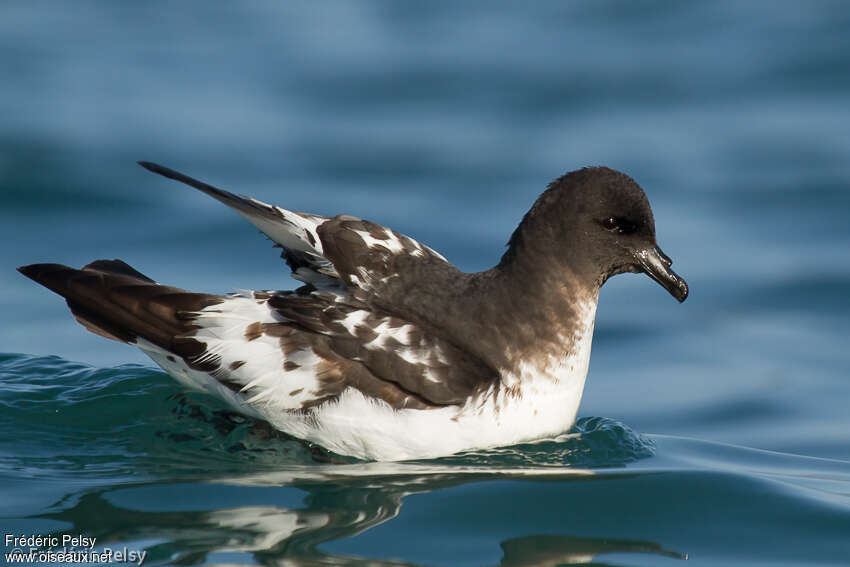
551, 550
328, 511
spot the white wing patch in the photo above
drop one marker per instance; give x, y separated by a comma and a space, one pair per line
354, 320
403, 341
391, 242
268, 377
254, 373
295, 231
395, 243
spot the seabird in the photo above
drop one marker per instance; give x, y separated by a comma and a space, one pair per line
388, 351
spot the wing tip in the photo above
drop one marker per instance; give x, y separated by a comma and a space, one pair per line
28, 270
38, 272
225, 197
160, 169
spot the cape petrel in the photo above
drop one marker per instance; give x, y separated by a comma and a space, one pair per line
388, 351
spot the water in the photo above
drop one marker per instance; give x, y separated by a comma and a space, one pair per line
716, 429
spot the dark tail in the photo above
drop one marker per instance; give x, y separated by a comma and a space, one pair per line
113, 300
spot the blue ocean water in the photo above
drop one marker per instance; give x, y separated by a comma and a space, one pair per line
717, 430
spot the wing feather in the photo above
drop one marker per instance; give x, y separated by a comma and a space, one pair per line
376, 262
369, 258
296, 351
296, 233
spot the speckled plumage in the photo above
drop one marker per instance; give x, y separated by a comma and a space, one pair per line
388, 351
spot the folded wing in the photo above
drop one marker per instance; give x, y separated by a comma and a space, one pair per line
291, 351
369, 258
296, 233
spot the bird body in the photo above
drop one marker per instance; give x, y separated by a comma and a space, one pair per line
389, 352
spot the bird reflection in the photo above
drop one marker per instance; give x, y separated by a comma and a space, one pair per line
338, 502
554, 550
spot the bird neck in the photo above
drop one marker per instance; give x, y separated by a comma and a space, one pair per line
512, 314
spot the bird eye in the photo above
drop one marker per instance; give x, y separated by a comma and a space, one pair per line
610, 223
620, 225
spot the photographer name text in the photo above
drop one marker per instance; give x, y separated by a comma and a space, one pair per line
66, 548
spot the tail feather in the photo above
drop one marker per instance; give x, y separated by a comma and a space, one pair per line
111, 299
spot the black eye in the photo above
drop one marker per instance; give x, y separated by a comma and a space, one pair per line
620, 225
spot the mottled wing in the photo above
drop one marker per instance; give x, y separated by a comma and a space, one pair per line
392, 349
379, 265
294, 351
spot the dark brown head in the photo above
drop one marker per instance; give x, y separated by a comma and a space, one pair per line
595, 222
